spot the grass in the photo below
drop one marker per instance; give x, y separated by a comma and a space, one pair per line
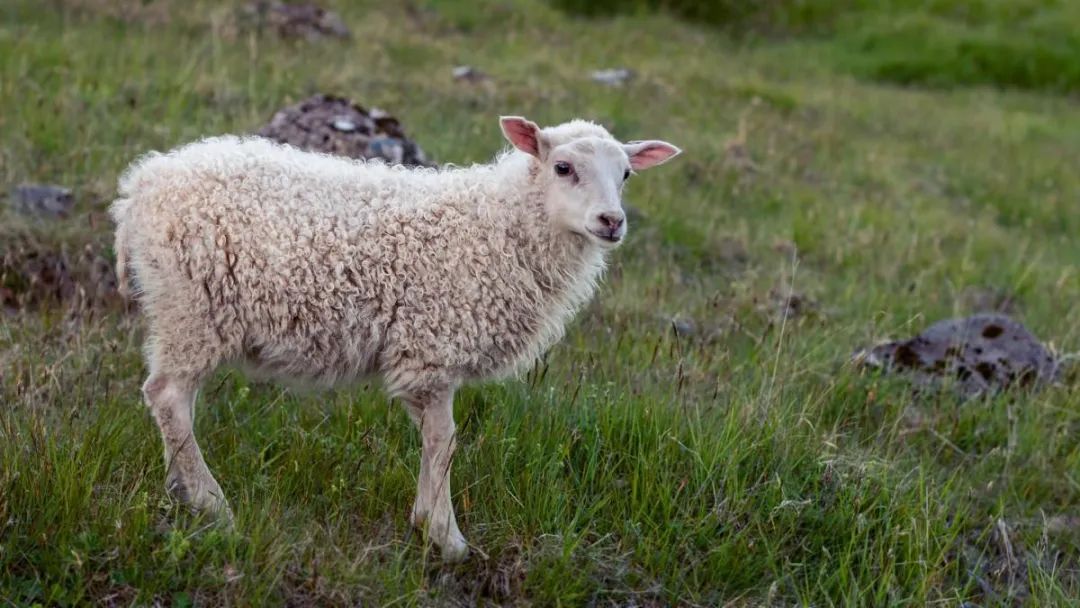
1025, 44
743, 462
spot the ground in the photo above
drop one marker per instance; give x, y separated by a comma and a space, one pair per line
699, 438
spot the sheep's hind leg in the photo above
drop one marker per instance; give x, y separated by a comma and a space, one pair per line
433, 414
172, 401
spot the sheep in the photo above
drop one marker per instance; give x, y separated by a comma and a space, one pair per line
319, 270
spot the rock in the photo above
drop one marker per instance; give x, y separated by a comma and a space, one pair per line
42, 200
468, 73
683, 326
978, 355
615, 77
388, 148
335, 125
301, 20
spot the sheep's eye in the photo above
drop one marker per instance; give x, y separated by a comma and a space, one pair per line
563, 169
626, 175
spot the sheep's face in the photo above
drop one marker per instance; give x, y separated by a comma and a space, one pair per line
584, 188
583, 169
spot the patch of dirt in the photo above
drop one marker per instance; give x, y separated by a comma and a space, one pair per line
150, 12
302, 20
334, 125
33, 276
981, 354
999, 564
500, 579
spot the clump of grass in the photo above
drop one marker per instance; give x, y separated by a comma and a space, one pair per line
1039, 52
733, 16
939, 43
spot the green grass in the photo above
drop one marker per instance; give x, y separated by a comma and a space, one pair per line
744, 463
1025, 44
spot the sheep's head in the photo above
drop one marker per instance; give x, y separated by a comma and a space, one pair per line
583, 169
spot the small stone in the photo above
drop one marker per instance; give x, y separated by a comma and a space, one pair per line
387, 148
468, 73
683, 326
344, 125
613, 77
42, 200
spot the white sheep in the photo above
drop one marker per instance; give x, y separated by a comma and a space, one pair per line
311, 268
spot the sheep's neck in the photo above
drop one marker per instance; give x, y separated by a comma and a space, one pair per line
564, 265
558, 260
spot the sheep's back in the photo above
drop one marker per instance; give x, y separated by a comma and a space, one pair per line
277, 249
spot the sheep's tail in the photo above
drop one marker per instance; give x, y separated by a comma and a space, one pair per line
119, 212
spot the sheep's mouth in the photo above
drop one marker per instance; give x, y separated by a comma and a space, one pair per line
609, 237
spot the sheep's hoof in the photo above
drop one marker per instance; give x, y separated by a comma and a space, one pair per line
450, 541
447, 537
205, 498
455, 550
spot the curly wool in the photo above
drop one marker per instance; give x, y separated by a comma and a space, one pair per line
318, 269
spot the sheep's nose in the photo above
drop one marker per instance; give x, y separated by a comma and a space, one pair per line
613, 221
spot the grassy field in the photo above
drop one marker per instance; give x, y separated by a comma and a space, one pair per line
741, 460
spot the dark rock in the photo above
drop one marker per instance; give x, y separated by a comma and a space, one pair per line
334, 125
42, 200
301, 20
981, 354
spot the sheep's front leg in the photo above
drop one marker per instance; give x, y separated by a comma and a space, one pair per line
433, 414
172, 401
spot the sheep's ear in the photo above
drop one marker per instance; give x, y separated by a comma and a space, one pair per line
523, 133
645, 154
